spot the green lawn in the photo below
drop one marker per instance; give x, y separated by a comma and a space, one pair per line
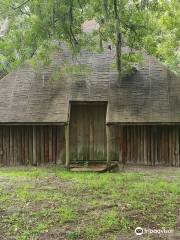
52, 203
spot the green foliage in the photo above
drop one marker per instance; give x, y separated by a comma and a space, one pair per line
66, 214
66, 70
73, 235
36, 27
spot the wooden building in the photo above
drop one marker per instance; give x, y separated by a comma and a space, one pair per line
77, 110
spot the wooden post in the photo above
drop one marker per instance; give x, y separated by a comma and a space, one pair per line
108, 147
11, 147
58, 146
34, 146
67, 146
177, 146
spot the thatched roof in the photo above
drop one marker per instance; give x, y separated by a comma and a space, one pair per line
151, 95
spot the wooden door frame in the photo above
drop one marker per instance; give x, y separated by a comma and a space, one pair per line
67, 128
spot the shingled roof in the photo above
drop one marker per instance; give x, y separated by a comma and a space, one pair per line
151, 95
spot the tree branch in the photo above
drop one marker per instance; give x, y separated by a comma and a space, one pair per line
75, 42
118, 38
21, 5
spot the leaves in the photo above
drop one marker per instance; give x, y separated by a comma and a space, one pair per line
37, 26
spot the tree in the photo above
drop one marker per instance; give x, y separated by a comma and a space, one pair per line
37, 26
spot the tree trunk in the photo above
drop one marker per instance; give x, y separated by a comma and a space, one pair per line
118, 38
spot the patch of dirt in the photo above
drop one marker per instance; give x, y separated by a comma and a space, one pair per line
146, 169
56, 234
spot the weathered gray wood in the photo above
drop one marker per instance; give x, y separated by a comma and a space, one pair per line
4, 146
108, 147
7, 144
34, 146
67, 146
46, 144
54, 140
88, 133
145, 159
58, 146
135, 144
50, 144
21, 145
30, 145
177, 146
11, 147
38, 145
26, 145
42, 144
1, 145
128, 145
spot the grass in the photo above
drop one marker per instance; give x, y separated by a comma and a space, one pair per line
35, 202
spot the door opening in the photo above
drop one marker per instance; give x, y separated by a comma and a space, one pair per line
88, 131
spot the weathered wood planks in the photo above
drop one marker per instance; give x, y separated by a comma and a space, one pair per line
35, 145
151, 145
145, 145
88, 139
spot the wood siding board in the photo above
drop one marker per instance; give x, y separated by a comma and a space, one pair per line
34, 146
128, 145
21, 144
132, 155
145, 145
42, 129
166, 146
160, 144
58, 146
54, 143
170, 150
15, 147
141, 153
30, 145
151, 146
50, 145
38, 145
4, 145
67, 147
156, 145
1, 145
134, 144
174, 145
46, 144
91, 137
11, 146
148, 145
108, 147
125, 145
7, 144
120, 144
26, 145
137, 144
177, 146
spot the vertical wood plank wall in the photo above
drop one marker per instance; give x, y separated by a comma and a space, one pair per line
88, 132
17, 143
146, 145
